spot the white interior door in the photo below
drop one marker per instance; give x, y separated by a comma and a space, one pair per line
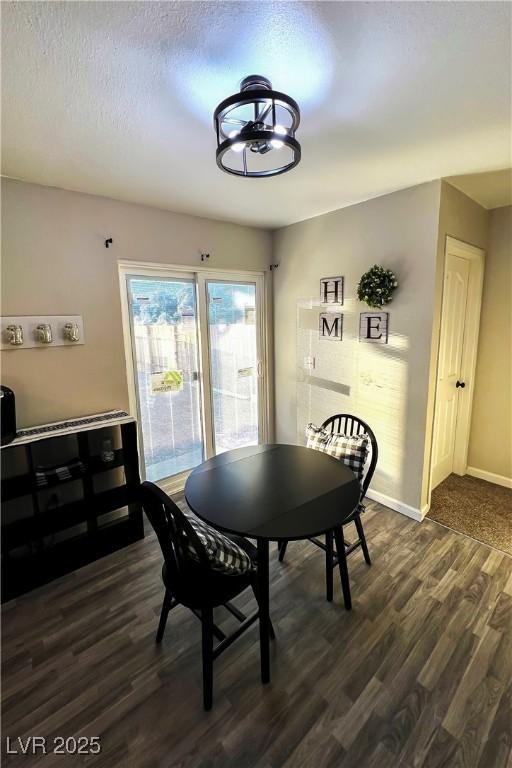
451, 349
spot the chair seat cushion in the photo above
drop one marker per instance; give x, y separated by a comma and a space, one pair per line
351, 450
223, 552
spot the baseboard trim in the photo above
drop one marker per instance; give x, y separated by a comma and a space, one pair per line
174, 485
398, 506
481, 474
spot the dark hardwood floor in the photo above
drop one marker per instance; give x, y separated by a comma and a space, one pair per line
418, 675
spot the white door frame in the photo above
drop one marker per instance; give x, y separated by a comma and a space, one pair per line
476, 257
201, 274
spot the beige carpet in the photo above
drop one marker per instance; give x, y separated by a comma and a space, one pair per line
479, 509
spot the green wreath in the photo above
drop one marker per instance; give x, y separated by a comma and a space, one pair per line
376, 287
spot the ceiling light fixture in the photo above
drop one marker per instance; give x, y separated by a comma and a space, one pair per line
256, 130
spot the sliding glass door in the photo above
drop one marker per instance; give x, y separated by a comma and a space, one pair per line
164, 330
198, 372
233, 352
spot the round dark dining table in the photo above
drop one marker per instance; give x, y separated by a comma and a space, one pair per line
272, 492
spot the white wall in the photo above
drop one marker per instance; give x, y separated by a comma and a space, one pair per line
388, 384
54, 262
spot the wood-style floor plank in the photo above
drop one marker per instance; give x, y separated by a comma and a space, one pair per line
417, 675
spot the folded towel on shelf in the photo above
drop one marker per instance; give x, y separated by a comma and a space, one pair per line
51, 475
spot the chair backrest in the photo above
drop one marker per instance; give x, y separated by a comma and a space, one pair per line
175, 534
346, 424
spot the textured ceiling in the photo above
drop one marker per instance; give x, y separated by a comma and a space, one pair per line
116, 98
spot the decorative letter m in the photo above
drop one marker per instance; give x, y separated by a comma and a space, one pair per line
331, 325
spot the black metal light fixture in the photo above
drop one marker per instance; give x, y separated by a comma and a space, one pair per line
256, 130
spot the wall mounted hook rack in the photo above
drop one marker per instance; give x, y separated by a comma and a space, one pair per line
41, 331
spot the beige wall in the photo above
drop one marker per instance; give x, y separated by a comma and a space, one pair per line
462, 218
490, 444
388, 384
54, 262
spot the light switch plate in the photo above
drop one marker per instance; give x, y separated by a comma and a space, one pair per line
29, 325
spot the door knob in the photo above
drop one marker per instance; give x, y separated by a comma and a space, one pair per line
460, 384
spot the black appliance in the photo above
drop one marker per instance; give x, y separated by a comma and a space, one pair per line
7, 415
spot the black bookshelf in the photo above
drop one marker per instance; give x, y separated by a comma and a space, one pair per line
42, 540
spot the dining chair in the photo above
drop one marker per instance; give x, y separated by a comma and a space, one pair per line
202, 569
349, 426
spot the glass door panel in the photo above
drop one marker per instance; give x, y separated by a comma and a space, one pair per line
163, 317
234, 367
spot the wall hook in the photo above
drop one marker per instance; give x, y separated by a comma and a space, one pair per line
205, 256
273, 266
14, 334
108, 242
44, 333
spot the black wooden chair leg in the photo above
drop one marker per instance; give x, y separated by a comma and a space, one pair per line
282, 550
362, 538
271, 632
166, 607
342, 564
207, 642
329, 565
